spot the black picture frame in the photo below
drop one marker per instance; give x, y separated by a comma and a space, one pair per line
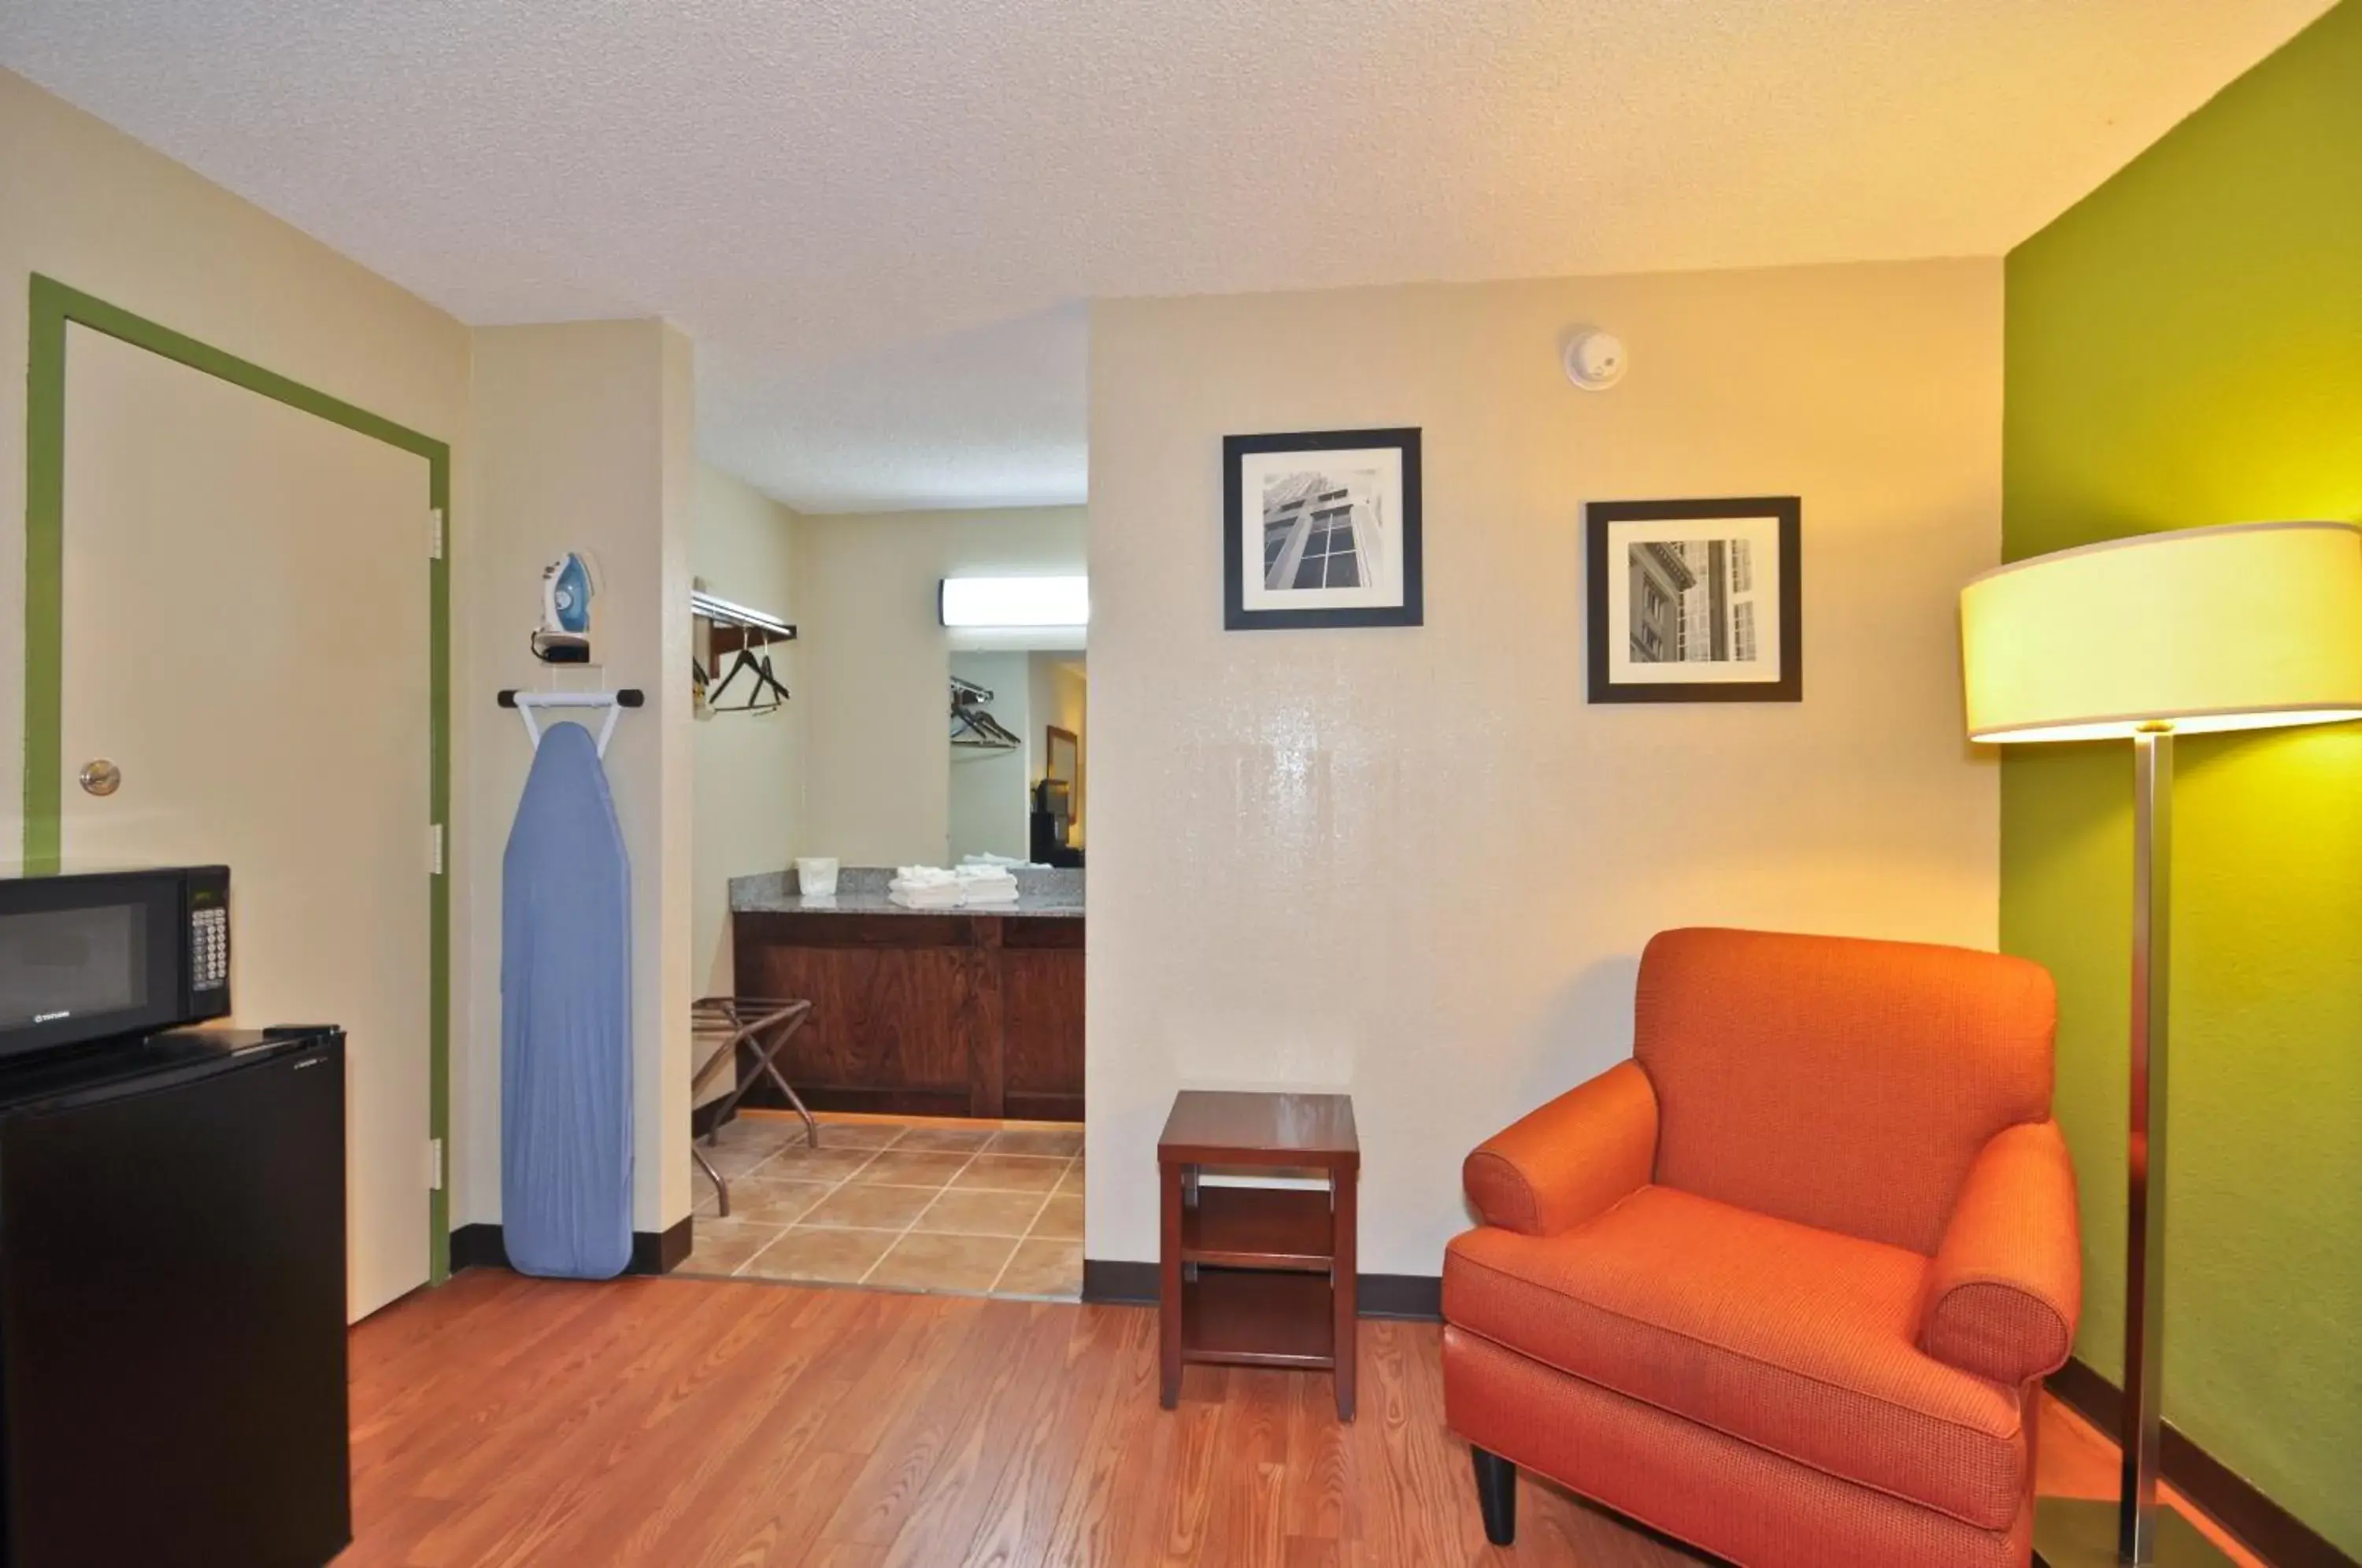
1600, 579
1236, 615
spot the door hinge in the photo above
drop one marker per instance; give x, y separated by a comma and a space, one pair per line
434, 532
434, 849
434, 1165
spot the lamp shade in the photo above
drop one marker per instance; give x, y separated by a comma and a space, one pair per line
2240, 627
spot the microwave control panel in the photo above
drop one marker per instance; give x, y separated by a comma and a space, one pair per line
208, 948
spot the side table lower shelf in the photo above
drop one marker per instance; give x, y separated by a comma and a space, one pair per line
1258, 1318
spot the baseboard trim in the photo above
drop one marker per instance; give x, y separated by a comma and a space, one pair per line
652, 1252
661, 1252
1113, 1282
478, 1246
2275, 1534
1416, 1297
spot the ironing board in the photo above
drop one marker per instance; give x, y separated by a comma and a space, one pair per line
566, 1020
764, 1024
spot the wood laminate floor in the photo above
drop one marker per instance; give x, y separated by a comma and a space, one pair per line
505, 1420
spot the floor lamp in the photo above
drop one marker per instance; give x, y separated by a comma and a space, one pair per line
2204, 629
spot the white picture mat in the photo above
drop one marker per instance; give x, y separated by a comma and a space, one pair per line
1762, 534
1384, 592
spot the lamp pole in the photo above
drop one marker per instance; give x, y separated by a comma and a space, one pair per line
2145, 1146
2070, 1533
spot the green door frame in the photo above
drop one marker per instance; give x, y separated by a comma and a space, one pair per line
54, 307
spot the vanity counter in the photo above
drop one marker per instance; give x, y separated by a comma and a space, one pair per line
969, 1011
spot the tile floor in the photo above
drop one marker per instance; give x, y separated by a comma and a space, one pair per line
972, 1210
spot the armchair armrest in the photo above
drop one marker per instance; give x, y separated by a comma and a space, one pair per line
2007, 1282
1575, 1157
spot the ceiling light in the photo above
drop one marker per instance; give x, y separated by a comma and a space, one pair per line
1015, 601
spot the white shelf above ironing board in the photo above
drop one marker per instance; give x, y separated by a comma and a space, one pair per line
528, 703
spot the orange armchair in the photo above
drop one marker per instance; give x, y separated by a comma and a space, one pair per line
1785, 1284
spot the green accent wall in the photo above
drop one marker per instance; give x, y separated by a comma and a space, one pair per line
2184, 346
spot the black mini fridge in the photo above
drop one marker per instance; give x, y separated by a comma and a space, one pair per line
172, 1382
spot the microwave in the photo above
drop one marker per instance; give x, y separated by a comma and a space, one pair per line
89, 955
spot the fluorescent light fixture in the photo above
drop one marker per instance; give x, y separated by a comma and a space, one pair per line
1005, 602
714, 607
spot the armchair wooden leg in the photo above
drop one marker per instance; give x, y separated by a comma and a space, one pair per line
1496, 1494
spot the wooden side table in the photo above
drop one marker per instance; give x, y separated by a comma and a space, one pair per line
1259, 1276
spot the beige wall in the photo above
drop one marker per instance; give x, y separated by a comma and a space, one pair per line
1413, 864
586, 443
85, 205
748, 768
89, 207
877, 783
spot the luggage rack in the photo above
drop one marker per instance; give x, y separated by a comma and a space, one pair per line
764, 1024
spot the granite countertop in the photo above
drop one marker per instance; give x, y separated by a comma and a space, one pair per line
862, 889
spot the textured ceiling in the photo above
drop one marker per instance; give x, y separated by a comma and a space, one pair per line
878, 218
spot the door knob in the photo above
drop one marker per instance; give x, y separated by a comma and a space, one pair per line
101, 777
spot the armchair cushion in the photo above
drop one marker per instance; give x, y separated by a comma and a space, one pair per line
2007, 1282
1801, 1342
1566, 1162
1836, 1082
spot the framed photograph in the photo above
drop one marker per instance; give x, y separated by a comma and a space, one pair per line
1696, 600
1320, 528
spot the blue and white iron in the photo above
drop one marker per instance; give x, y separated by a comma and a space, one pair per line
567, 585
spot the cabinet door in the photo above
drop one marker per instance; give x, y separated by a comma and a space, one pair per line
891, 998
171, 1280
1042, 1019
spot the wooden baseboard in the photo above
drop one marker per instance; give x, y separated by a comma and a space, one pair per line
1416, 1297
2275, 1534
652, 1252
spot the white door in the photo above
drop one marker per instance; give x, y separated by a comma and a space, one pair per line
246, 639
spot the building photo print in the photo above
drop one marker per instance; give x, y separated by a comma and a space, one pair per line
1323, 529
1694, 600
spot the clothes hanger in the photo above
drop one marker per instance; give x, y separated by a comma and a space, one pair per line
969, 717
767, 695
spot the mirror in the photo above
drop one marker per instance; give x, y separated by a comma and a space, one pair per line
1065, 752
1018, 719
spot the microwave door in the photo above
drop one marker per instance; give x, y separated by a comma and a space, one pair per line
88, 958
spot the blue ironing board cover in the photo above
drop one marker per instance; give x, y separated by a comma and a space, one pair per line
566, 1020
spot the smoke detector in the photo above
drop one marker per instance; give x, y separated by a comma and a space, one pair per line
1593, 360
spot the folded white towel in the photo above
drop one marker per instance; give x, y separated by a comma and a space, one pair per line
933, 887
987, 885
